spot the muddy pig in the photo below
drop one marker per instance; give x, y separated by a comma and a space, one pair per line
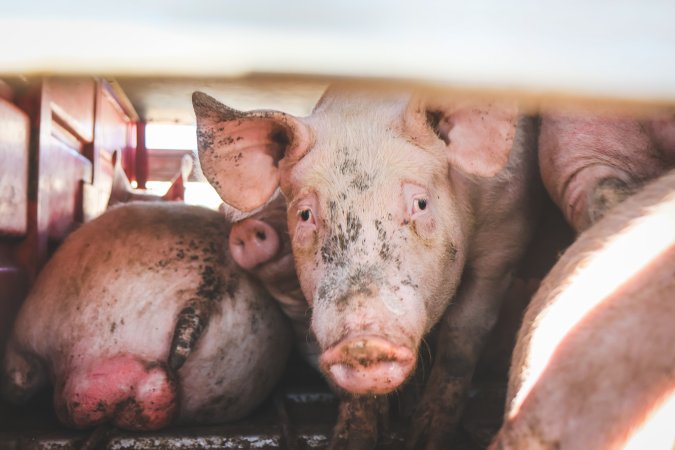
142, 318
259, 243
594, 364
591, 161
396, 205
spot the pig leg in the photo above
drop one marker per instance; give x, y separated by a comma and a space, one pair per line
99, 438
463, 330
288, 432
190, 324
359, 423
23, 375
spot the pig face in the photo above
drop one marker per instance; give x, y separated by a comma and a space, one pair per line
376, 243
375, 212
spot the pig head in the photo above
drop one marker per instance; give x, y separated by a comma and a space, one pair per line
382, 209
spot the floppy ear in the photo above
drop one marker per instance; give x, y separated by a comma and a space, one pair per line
478, 137
240, 151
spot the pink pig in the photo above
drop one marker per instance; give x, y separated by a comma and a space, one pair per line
142, 318
590, 161
260, 244
397, 208
594, 363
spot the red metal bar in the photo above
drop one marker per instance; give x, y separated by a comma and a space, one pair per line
142, 167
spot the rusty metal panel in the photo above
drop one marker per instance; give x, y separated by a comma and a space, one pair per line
129, 156
71, 101
14, 135
63, 170
13, 288
163, 165
66, 129
111, 135
61, 112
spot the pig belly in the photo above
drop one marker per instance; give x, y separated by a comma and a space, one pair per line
594, 364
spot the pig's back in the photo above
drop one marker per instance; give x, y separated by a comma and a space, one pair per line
587, 382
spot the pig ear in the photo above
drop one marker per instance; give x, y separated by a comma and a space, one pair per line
478, 137
240, 151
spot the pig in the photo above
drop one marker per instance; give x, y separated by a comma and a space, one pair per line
592, 161
260, 245
396, 205
142, 318
121, 190
594, 363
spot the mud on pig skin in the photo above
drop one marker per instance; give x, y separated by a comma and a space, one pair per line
142, 318
591, 161
594, 363
260, 244
395, 205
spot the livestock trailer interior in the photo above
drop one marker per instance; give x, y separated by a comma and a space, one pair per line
95, 106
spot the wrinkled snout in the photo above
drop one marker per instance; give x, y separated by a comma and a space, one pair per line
253, 242
368, 364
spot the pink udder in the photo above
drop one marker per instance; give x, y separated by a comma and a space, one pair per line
133, 394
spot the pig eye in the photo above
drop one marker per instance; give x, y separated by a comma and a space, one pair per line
419, 204
305, 211
305, 215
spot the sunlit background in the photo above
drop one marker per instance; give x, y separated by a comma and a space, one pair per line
171, 136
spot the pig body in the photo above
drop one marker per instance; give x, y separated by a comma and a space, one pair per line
143, 319
590, 162
395, 206
594, 363
260, 244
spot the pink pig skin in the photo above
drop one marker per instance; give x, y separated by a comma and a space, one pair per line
594, 363
110, 323
261, 245
403, 212
591, 161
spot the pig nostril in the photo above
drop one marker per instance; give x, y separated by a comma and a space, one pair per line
240, 242
260, 235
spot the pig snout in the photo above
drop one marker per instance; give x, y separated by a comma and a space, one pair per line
369, 346
253, 242
368, 364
